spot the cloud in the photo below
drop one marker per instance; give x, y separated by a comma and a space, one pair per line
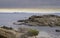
29, 3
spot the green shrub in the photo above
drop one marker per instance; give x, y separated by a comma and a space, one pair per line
32, 33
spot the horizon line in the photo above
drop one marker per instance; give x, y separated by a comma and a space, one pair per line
31, 10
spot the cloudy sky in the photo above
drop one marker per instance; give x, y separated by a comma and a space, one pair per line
7, 5
29, 3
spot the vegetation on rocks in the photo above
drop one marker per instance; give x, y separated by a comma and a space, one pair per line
28, 32
32, 33
5, 32
43, 20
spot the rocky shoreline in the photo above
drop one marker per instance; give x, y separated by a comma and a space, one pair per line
7, 32
43, 20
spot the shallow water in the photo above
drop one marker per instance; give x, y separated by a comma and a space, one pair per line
8, 19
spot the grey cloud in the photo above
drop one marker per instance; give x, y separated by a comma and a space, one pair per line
29, 3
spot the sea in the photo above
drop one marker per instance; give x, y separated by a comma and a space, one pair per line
7, 19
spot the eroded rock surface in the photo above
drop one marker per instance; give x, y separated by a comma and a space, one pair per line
44, 20
4, 33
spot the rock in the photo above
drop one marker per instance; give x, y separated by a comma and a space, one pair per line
57, 30
44, 20
5, 33
18, 23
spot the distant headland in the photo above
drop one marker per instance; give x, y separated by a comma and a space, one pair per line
42, 20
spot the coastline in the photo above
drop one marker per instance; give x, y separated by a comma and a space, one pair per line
44, 20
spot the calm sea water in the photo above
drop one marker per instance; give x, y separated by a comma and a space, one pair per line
7, 19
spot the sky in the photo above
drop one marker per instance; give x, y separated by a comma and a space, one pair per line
29, 5
31, 10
